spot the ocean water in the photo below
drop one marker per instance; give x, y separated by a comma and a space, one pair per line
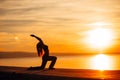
99, 62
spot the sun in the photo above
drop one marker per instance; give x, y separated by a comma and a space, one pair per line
100, 37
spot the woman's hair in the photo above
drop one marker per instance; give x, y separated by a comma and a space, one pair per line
40, 49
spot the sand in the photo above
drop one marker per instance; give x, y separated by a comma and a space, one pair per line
21, 73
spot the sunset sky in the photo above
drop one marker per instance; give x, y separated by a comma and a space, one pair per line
65, 26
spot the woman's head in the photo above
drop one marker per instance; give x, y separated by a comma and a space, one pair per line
39, 44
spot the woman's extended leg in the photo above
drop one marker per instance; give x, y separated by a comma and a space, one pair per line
44, 61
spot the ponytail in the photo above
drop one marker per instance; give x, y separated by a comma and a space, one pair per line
40, 53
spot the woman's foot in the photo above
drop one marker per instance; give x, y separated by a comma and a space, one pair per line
29, 68
51, 68
35, 68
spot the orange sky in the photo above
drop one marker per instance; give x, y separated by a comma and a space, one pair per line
62, 24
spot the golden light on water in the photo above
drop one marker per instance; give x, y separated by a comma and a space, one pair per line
101, 62
100, 38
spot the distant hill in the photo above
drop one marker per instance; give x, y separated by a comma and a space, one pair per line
16, 54
33, 54
30, 54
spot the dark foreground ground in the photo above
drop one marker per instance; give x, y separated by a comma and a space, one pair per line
21, 73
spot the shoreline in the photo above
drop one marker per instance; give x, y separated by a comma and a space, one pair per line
21, 73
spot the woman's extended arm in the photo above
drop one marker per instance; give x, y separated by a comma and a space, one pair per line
37, 38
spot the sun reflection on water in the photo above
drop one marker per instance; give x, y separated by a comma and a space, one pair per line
101, 62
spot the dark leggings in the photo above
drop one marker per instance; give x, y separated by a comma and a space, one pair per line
48, 58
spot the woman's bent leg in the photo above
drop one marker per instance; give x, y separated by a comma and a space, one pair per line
53, 59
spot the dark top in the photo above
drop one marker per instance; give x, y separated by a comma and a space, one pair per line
46, 51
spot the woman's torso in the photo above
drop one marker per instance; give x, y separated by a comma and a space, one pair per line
46, 51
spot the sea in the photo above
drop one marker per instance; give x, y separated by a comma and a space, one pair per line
97, 62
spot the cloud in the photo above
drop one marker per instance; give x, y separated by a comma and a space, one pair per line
19, 11
6, 37
15, 23
2, 1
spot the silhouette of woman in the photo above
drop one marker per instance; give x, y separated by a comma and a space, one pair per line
43, 51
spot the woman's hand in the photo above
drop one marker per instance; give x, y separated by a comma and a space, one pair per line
32, 35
